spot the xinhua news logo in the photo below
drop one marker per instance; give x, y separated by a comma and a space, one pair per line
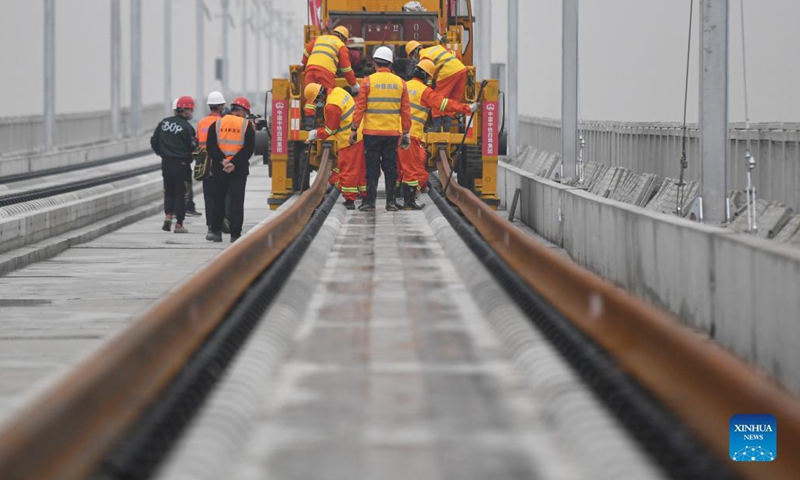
753, 438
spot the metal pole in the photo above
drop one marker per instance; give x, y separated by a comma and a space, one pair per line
225, 20
258, 31
485, 40
136, 66
244, 48
116, 69
200, 41
569, 91
49, 72
513, 75
714, 110
168, 55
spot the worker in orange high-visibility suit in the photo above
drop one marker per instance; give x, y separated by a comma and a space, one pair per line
322, 58
339, 107
451, 74
385, 111
423, 100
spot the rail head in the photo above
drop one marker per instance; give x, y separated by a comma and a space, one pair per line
701, 383
68, 429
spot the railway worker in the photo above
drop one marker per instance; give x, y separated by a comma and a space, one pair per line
413, 175
386, 112
174, 141
231, 143
339, 107
216, 105
451, 75
191, 208
322, 58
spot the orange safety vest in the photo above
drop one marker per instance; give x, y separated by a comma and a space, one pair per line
326, 53
383, 103
203, 126
446, 62
230, 134
345, 102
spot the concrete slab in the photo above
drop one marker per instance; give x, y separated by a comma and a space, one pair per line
56, 312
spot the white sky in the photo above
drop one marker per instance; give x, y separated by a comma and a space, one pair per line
632, 56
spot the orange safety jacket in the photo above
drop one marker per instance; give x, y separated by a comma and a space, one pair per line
230, 135
203, 126
446, 62
423, 99
383, 105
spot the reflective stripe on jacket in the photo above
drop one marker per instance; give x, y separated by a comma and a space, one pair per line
384, 103
203, 126
344, 101
326, 53
419, 113
446, 62
230, 134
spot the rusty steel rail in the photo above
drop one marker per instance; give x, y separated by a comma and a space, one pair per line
698, 381
67, 431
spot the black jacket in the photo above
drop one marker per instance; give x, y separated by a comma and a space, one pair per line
241, 160
174, 138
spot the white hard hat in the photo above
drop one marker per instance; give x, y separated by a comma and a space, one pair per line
175, 104
215, 98
383, 53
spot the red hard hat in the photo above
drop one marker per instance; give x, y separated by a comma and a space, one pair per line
186, 102
242, 102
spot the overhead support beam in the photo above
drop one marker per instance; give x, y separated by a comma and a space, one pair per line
569, 90
714, 141
136, 67
49, 73
116, 70
513, 76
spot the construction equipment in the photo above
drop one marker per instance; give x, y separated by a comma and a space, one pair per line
473, 146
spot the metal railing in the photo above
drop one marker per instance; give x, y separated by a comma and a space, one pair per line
26, 134
656, 148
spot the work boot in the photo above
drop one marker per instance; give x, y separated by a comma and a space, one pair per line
234, 238
226, 226
167, 223
411, 201
193, 213
350, 204
179, 228
367, 205
402, 190
214, 236
390, 205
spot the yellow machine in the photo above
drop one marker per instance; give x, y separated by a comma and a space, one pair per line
373, 23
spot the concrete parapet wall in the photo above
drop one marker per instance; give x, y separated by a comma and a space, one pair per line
36, 162
742, 291
31, 222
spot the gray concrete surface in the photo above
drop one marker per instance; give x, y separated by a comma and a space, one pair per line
388, 355
37, 161
742, 291
56, 312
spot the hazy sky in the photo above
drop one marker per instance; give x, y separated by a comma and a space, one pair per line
632, 56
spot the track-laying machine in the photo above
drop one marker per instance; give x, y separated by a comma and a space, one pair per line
472, 144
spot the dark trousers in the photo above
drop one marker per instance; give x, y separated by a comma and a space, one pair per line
190, 206
208, 198
229, 185
381, 154
175, 174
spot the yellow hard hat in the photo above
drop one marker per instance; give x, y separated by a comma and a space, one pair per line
342, 30
312, 92
411, 46
427, 66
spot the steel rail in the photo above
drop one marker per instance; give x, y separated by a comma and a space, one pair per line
698, 381
67, 431
17, 177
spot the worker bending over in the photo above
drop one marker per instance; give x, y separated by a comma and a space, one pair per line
322, 58
339, 108
231, 143
413, 174
451, 75
385, 110
174, 141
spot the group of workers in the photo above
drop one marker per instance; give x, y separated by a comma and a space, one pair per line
382, 128
227, 138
